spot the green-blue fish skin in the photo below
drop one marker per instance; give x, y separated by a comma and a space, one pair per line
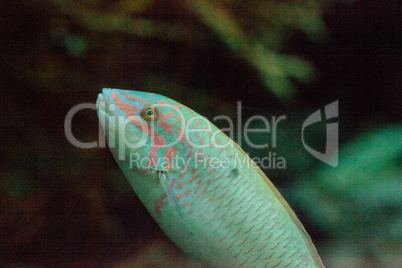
224, 215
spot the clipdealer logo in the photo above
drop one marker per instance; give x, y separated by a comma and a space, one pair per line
330, 156
328, 114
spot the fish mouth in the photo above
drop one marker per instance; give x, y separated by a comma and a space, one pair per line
107, 93
107, 112
101, 110
103, 104
103, 101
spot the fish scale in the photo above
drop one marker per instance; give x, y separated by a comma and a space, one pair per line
244, 223
223, 215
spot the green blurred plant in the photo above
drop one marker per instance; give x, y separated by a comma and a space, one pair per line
254, 31
360, 200
276, 69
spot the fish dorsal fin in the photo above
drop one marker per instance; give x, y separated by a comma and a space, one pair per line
313, 251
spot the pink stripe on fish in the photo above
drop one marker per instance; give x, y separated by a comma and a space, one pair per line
169, 155
162, 123
172, 183
128, 109
133, 98
202, 141
181, 135
156, 142
146, 128
180, 185
162, 103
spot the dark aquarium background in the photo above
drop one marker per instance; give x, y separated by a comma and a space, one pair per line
63, 206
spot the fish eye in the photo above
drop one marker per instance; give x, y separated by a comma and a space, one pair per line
150, 112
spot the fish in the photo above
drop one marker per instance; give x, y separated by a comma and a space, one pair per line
202, 189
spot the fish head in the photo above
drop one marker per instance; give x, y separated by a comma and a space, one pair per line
145, 131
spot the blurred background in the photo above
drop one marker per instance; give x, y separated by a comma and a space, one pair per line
65, 206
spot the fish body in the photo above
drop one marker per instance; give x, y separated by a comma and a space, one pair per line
205, 193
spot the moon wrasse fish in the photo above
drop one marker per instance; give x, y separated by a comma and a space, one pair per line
205, 193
